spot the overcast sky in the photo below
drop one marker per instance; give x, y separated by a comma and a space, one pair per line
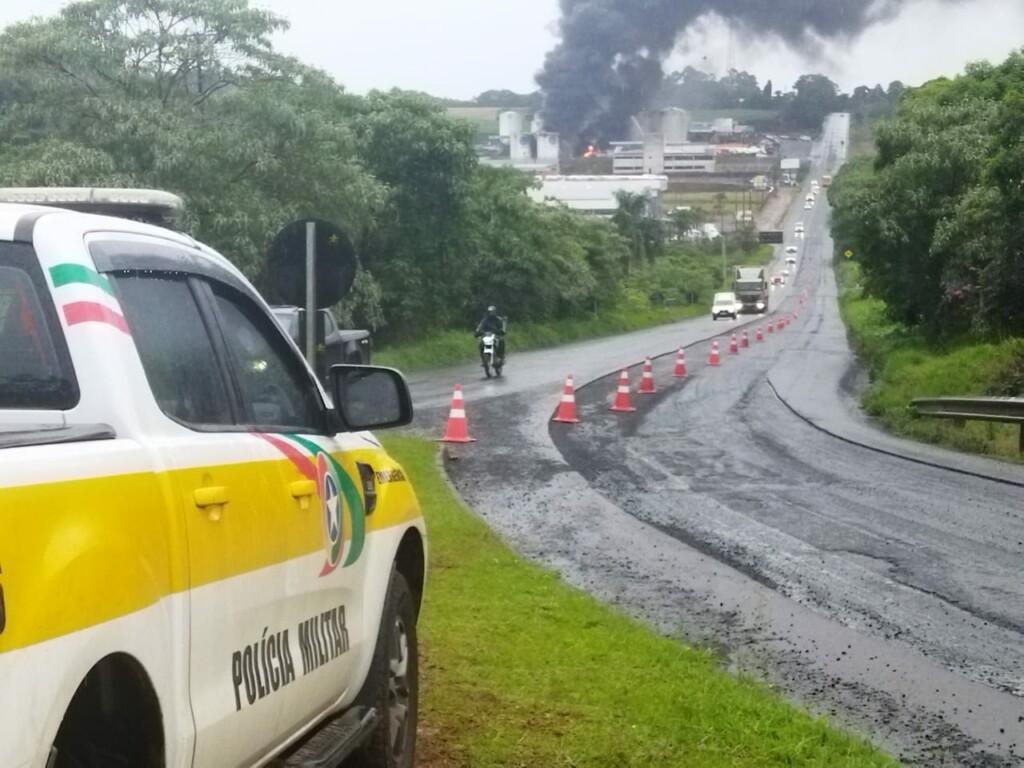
459, 48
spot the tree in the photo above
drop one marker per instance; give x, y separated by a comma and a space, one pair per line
815, 97
426, 161
934, 218
683, 220
631, 211
895, 92
188, 97
506, 99
738, 89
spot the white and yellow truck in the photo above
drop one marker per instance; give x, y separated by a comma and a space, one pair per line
204, 559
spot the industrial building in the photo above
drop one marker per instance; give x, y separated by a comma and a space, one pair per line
528, 148
665, 141
654, 155
596, 194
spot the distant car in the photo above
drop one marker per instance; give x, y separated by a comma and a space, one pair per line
790, 249
785, 273
791, 260
798, 227
725, 305
806, 138
777, 280
808, 206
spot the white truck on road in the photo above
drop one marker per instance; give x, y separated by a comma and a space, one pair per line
203, 561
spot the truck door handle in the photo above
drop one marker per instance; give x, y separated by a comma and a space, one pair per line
212, 499
302, 491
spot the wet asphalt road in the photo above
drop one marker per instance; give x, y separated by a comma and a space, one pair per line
751, 507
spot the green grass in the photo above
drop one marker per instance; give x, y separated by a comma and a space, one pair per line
518, 669
903, 366
707, 201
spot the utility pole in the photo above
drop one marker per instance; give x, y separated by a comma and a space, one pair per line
722, 238
720, 201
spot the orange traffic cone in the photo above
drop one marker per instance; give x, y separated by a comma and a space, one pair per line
744, 340
457, 429
647, 379
621, 402
760, 334
567, 407
733, 346
713, 358
680, 371
771, 327
781, 324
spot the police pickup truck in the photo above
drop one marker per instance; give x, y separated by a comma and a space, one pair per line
204, 559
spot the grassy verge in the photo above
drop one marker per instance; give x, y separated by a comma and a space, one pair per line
904, 366
451, 347
519, 669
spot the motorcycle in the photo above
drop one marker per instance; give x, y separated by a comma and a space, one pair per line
491, 355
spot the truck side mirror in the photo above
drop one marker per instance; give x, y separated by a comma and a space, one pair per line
370, 397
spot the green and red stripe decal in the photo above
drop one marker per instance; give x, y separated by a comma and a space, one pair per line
304, 454
93, 312
85, 311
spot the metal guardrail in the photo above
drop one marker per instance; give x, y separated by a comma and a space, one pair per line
1007, 410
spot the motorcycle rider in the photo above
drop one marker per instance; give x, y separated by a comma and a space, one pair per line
492, 322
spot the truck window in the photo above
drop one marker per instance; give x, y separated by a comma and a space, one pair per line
35, 367
277, 392
175, 347
328, 320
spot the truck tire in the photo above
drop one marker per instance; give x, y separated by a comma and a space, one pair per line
113, 720
392, 686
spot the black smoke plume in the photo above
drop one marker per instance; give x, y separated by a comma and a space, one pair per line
608, 64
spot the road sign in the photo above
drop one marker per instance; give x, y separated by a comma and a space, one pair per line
770, 236
284, 278
310, 264
848, 254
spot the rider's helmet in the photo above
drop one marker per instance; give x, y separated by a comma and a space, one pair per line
492, 310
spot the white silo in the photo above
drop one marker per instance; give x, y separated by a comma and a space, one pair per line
510, 123
675, 125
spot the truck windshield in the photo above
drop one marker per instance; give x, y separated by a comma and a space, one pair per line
35, 369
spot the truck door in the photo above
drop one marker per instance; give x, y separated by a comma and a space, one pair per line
238, 585
317, 499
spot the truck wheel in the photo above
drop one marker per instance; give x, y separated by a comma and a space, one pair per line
392, 686
113, 720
